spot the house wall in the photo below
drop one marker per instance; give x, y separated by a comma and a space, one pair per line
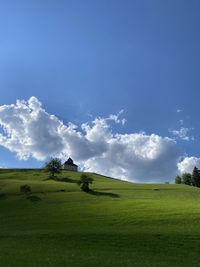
70, 168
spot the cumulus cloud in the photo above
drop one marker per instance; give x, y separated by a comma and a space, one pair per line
137, 157
30, 131
188, 164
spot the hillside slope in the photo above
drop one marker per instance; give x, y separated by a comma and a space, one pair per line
119, 224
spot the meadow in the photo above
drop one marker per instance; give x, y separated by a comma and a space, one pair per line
117, 224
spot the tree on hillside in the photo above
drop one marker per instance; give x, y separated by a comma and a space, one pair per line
178, 179
187, 178
84, 182
53, 166
196, 177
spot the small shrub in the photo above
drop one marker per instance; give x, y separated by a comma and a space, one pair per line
84, 182
61, 190
25, 189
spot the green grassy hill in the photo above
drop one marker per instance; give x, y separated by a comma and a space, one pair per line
120, 224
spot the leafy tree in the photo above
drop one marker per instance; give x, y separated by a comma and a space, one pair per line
25, 189
84, 182
53, 166
178, 179
196, 177
187, 178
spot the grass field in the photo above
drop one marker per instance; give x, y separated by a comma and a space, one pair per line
120, 224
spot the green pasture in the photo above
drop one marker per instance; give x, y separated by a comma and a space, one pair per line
117, 224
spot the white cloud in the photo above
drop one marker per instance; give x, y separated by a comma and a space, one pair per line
182, 133
30, 131
117, 117
138, 157
188, 164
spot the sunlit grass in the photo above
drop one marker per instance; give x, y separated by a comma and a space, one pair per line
121, 224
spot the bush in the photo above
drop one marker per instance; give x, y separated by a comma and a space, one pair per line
25, 189
84, 182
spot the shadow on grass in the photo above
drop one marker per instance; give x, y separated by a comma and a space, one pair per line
105, 194
34, 199
61, 190
68, 180
58, 179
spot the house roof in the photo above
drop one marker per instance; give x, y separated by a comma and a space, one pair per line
70, 162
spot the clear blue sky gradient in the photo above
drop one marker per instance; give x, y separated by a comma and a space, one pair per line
97, 57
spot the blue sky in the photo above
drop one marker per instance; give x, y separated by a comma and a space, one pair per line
84, 59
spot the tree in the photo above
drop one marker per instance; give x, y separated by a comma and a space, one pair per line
53, 166
187, 178
178, 179
84, 182
196, 177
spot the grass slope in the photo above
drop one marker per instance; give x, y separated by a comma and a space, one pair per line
121, 224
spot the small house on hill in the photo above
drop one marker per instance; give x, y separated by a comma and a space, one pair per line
69, 165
